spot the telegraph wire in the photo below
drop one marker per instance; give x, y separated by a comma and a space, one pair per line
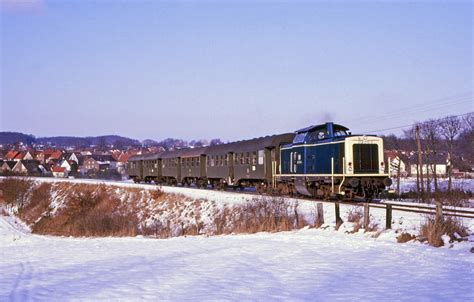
443, 102
409, 125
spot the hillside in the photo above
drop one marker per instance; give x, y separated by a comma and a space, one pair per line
9, 138
87, 141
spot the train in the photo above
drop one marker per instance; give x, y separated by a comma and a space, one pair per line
322, 161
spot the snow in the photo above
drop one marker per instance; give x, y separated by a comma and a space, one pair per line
409, 184
308, 264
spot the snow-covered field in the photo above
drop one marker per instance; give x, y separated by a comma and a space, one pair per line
409, 184
317, 265
309, 264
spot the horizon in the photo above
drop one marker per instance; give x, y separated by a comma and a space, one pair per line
232, 71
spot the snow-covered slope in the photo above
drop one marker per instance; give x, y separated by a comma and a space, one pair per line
310, 264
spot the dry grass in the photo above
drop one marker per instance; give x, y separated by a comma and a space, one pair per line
356, 216
38, 204
261, 214
15, 191
434, 228
405, 237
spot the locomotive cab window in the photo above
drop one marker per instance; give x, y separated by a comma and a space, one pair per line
366, 158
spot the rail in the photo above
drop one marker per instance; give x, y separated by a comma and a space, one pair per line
437, 210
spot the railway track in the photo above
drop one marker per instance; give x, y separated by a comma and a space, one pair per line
428, 209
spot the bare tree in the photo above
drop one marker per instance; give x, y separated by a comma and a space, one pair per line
468, 122
430, 131
450, 129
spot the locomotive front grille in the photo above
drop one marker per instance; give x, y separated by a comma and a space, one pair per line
366, 158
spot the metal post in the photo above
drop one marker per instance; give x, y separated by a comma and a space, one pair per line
343, 174
332, 175
388, 223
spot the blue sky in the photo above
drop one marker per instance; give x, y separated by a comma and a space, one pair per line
149, 69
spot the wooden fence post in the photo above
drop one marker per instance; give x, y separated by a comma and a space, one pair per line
439, 210
338, 214
388, 223
320, 217
366, 216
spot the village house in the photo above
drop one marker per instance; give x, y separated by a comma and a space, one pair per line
396, 163
122, 163
59, 172
24, 155
73, 156
27, 167
69, 165
430, 163
11, 155
39, 156
55, 157
96, 163
7, 166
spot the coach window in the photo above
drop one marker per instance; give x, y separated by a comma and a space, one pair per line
260, 157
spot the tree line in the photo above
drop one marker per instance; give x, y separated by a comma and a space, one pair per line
451, 136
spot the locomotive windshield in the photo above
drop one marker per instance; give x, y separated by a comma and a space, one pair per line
339, 132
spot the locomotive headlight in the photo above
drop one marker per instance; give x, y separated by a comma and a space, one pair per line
349, 168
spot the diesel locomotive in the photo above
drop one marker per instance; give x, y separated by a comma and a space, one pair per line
318, 161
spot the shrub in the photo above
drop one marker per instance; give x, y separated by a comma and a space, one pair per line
434, 228
356, 216
261, 214
38, 203
15, 191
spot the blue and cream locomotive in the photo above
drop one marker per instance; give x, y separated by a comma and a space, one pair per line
327, 160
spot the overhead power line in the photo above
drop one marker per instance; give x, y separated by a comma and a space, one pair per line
423, 107
408, 125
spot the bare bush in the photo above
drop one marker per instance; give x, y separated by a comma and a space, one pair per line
15, 191
38, 204
90, 211
356, 216
265, 214
434, 228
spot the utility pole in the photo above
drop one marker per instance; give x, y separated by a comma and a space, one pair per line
420, 162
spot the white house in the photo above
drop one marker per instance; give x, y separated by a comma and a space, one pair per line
59, 172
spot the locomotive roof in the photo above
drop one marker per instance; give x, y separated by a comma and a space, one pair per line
322, 126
